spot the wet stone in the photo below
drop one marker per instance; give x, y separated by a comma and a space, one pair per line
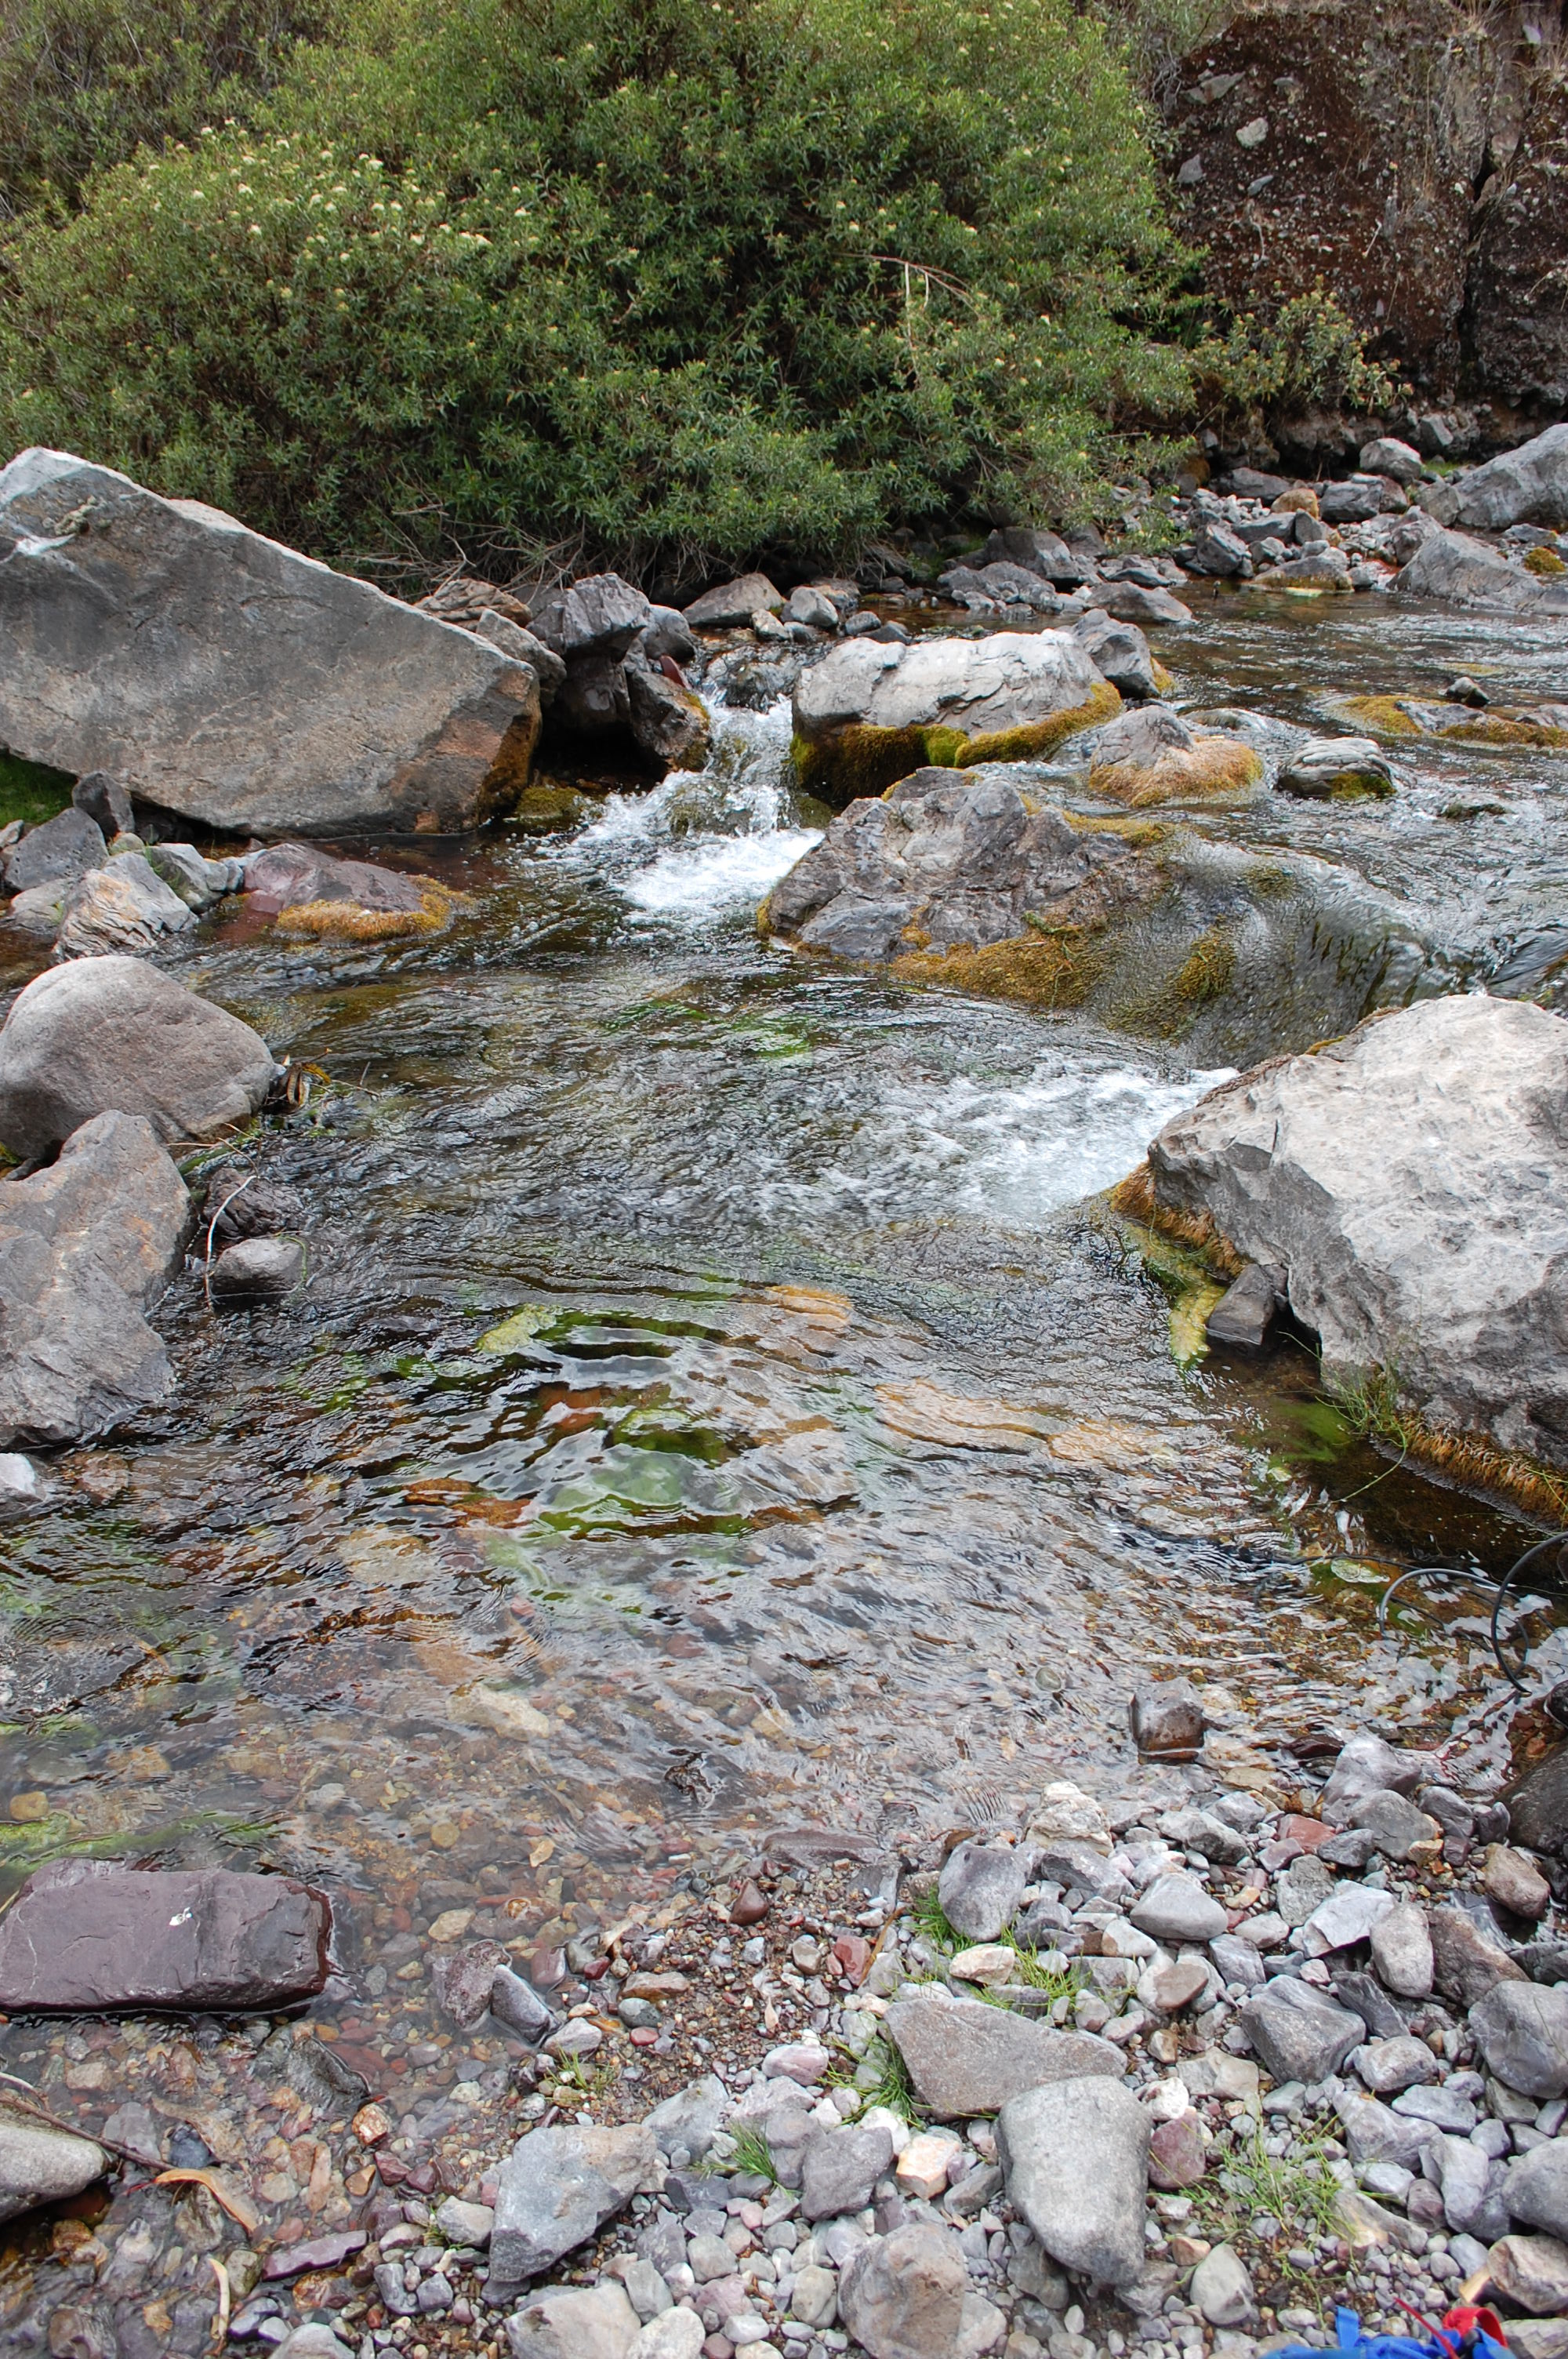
85, 1935
1167, 1720
980, 1889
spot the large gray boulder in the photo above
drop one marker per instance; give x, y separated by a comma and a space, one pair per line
946, 858
964, 2058
115, 1033
1412, 1182
223, 676
1529, 485
1466, 572
558, 2189
84, 1935
1076, 2159
84, 1247
871, 712
61, 850
38, 2165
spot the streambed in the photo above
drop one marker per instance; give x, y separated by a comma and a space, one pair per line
719, 1403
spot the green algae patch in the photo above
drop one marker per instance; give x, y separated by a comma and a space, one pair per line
861, 762
1385, 716
516, 1334
1213, 770
1049, 970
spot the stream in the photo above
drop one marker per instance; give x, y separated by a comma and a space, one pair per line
718, 1402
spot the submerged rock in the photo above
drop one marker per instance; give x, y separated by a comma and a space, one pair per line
38, 2165
87, 1937
869, 712
223, 676
258, 1269
114, 1033
84, 1247
1413, 1181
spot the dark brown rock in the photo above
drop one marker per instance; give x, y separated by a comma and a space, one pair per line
85, 1935
1168, 1720
1466, 1964
462, 1983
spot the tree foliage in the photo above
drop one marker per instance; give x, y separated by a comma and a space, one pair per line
687, 279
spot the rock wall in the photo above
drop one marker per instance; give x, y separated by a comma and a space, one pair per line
1408, 159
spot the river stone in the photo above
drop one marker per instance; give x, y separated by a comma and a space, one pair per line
731, 606
1521, 2030
840, 2168
1384, 455
1401, 1951
1515, 1882
666, 718
556, 2190
1222, 2288
1065, 1813
1215, 550
907, 2296
1135, 602
1443, 2106
519, 2006
1466, 572
1536, 2189
1525, 485
1045, 553
1167, 1720
1472, 2201
257, 1269
192, 877
674, 2334
1237, 1961
293, 876
871, 712
1327, 768
122, 907
1412, 1179
87, 1937
1304, 1885
114, 1033
689, 2118
1386, 2066
311, 2341
1352, 502
1119, 651
1177, 2155
85, 1247
966, 2058
1298, 2035
61, 850
225, 677
948, 859
1538, 2338
1466, 1963
1538, 1806
1245, 1313
1530, 2272
1075, 2158
1140, 737
594, 619
1373, 2133
40, 2166
1347, 1916
1399, 1828
1178, 1908
579, 2322
39, 911
980, 1889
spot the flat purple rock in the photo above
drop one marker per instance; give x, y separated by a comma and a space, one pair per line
86, 1936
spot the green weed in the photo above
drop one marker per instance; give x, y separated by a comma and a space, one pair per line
1299, 2191
753, 2155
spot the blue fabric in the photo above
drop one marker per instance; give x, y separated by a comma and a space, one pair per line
1350, 2338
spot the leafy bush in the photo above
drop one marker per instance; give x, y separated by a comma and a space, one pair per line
85, 82
1310, 353
682, 280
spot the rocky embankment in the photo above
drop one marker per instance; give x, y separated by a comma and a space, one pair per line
1170, 2069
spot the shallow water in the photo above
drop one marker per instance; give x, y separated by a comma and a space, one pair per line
717, 1401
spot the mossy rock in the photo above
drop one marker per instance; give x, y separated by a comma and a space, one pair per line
859, 762
1213, 770
1385, 716
547, 808
1543, 562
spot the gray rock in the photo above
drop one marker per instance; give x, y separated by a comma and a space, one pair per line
465, 2223
666, 718
731, 606
39, 911
1466, 573
1373, 2134
1401, 1951
1386, 456
558, 2188
1133, 602
1538, 2338
1075, 2157
1235, 1960
522, 647
123, 907
840, 2168
980, 1889
964, 2058
1536, 2189
1222, 2288
689, 2118
1365, 1996
1521, 2030
1060, 1860
258, 1269
646, 2291
1138, 739
674, 2334
1031, 689
1515, 1883
1217, 550
40, 2166
1302, 1887
393, 2290
115, 1034
1538, 1806
1194, 1830
88, 1937
519, 2006
1330, 768
1045, 553
1386, 2066
1445, 2108
595, 619
85, 1248
805, 605
1242, 1316
1525, 485
61, 850
1352, 502
1366, 1765
813, 2298
1447, 1226
1347, 1916
312, 2342
106, 799
578, 2322
1352, 1847
23, 1491
907, 2296
951, 856
1177, 1908
1532, 2272
1117, 648
1397, 1825
1167, 1720
197, 882
230, 679
1299, 2035
1468, 1961
1466, 2178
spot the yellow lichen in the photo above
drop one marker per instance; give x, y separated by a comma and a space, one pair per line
1033, 739
1505, 729
1385, 716
862, 762
1038, 970
1210, 771
1163, 680
345, 920
1543, 560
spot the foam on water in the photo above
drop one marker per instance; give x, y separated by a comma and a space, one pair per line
708, 878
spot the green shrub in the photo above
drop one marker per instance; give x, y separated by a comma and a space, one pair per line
1310, 353
681, 281
85, 82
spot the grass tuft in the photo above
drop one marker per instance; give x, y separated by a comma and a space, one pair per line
753, 2155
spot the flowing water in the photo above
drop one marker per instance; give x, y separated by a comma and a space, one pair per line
718, 1402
